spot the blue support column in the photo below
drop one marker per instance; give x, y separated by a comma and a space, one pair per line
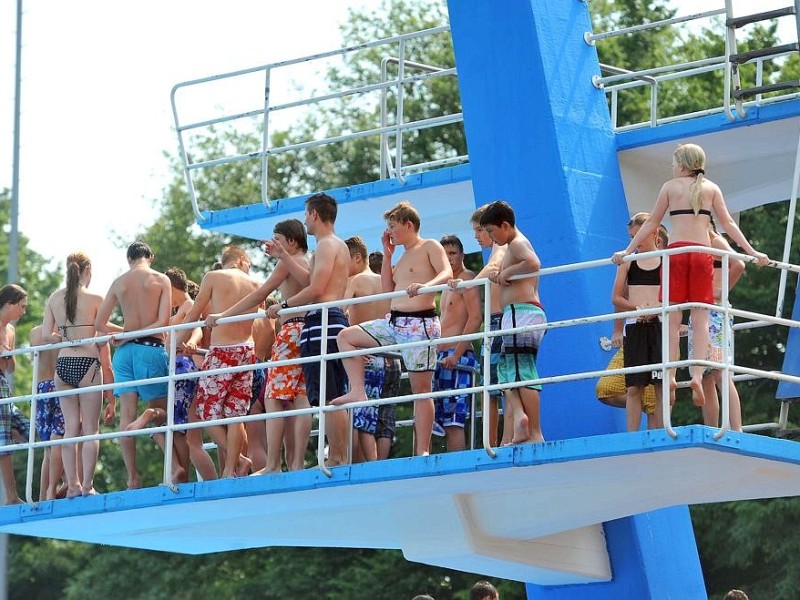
539, 137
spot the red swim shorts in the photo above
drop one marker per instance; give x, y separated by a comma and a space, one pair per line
691, 275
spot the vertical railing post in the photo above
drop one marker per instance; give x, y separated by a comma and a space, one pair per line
665, 353
726, 359
486, 341
170, 433
323, 390
401, 74
265, 142
32, 430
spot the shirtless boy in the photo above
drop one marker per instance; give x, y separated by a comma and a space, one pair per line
413, 317
521, 307
228, 394
143, 296
49, 418
461, 315
285, 387
13, 304
374, 425
180, 303
327, 280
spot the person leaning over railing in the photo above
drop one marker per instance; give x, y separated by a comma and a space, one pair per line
521, 307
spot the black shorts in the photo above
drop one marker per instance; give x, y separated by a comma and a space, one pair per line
642, 346
311, 345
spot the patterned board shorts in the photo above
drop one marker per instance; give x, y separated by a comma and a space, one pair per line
452, 411
518, 362
285, 383
49, 418
399, 328
609, 386
184, 389
5, 414
366, 418
227, 394
716, 320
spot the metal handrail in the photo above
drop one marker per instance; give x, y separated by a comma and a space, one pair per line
268, 108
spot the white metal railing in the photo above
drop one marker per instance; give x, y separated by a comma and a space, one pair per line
384, 130
484, 388
622, 79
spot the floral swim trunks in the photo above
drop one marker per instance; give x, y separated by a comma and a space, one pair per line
286, 382
226, 394
49, 418
399, 327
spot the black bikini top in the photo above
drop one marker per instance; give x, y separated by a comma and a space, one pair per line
640, 276
689, 211
717, 264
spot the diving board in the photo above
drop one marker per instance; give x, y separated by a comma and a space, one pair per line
443, 197
534, 513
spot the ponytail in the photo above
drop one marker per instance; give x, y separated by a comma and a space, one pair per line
77, 263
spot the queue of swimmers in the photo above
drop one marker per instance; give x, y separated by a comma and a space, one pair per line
342, 270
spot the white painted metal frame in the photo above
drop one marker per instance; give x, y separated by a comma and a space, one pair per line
384, 130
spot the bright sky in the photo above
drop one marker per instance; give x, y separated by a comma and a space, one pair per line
96, 116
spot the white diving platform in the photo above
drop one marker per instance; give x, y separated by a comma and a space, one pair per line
534, 513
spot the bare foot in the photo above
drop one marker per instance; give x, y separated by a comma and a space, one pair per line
15, 500
673, 387
228, 474
134, 484
179, 475
142, 421
265, 471
61, 492
74, 492
89, 492
698, 397
521, 433
243, 466
350, 396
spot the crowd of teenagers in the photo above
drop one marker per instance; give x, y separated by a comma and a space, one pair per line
276, 331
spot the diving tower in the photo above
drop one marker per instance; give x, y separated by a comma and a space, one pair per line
592, 513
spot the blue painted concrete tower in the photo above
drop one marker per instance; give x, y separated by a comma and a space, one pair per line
539, 137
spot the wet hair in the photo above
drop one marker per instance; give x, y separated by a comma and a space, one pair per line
232, 254
294, 231
481, 590
216, 266
11, 294
324, 205
77, 263
376, 261
452, 240
498, 213
638, 219
139, 249
356, 246
192, 289
177, 278
735, 595
403, 213
692, 158
476, 216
